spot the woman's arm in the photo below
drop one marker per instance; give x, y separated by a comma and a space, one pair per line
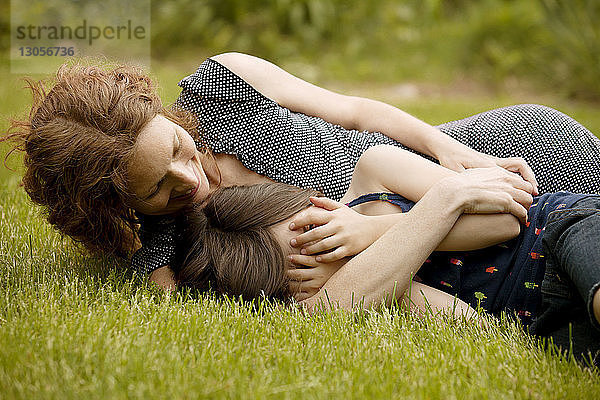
164, 278
359, 113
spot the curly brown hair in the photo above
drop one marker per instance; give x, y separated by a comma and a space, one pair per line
78, 139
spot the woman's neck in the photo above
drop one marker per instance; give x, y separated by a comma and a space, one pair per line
226, 170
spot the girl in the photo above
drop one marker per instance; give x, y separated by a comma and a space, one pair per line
546, 273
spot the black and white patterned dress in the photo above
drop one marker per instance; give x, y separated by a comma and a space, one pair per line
307, 151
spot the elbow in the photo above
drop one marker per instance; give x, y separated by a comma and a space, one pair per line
507, 227
513, 227
357, 108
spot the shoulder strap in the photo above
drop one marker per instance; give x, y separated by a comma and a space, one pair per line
393, 198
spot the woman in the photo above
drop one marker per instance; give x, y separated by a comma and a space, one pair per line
103, 154
546, 274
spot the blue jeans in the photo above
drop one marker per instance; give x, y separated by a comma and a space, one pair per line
572, 247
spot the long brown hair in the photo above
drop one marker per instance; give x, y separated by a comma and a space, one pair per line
78, 139
228, 246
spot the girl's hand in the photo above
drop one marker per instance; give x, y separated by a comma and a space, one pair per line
459, 158
337, 227
309, 276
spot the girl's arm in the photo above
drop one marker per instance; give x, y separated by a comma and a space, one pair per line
384, 269
359, 113
423, 300
390, 169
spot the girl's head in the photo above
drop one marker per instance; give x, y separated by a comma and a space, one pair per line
96, 143
231, 245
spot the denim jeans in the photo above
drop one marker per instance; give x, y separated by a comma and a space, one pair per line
571, 244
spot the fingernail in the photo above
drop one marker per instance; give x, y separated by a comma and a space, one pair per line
292, 226
293, 242
303, 251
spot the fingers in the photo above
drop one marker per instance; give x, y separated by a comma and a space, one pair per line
519, 165
517, 181
304, 260
522, 197
518, 211
299, 274
509, 182
299, 290
300, 296
513, 207
310, 216
521, 190
332, 256
304, 282
315, 234
326, 203
322, 245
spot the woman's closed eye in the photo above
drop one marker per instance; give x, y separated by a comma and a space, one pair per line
176, 150
177, 147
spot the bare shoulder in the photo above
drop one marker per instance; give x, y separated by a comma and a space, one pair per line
367, 175
375, 163
258, 73
238, 62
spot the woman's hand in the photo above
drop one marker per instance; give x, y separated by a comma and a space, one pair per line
490, 191
460, 157
337, 227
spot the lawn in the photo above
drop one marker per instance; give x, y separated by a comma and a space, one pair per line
72, 326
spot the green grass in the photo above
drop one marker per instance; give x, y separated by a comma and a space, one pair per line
72, 326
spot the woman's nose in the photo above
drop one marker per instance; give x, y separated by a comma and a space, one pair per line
184, 177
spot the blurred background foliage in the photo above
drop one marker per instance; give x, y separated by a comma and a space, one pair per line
552, 44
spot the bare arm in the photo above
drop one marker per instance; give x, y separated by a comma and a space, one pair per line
350, 112
164, 278
390, 169
422, 299
360, 113
393, 258
412, 176
385, 267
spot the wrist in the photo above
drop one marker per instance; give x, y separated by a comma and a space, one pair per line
437, 143
449, 191
443, 146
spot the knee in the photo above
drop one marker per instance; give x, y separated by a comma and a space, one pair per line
539, 112
550, 118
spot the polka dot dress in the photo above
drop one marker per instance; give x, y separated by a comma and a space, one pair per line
306, 151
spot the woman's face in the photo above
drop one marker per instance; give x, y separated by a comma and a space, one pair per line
165, 172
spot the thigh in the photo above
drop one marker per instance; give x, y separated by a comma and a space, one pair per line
563, 154
571, 244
